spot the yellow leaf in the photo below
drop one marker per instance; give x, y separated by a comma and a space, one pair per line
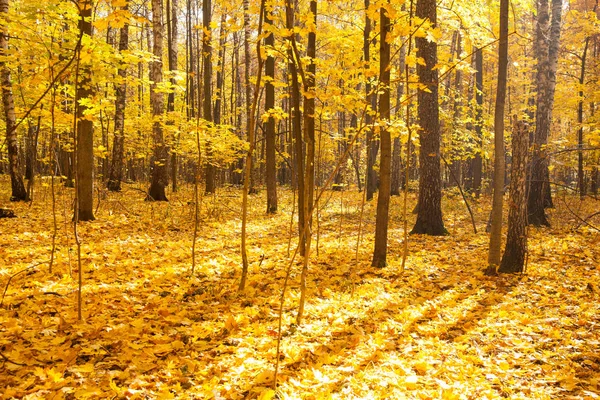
411, 382
267, 394
504, 365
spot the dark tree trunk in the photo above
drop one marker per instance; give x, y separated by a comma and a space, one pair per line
383, 199
271, 165
397, 145
494, 252
172, 35
160, 177
513, 259
85, 127
117, 165
477, 162
16, 179
207, 92
372, 144
429, 217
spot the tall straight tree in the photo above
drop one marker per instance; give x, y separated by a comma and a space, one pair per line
477, 161
429, 217
16, 179
547, 42
372, 143
172, 36
85, 126
117, 164
160, 177
271, 165
207, 88
497, 201
383, 200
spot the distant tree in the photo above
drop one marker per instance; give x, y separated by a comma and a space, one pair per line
270, 135
160, 178
117, 164
207, 89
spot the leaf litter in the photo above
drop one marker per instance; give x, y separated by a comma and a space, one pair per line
438, 330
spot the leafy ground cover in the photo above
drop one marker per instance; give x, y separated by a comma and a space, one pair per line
438, 329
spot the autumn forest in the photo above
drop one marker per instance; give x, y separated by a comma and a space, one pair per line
299, 199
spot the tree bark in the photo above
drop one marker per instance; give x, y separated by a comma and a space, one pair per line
383, 199
207, 89
172, 36
397, 144
513, 259
496, 226
85, 127
477, 161
372, 143
16, 179
117, 165
429, 217
547, 44
160, 177
271, 165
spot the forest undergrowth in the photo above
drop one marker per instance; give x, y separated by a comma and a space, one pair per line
440, 329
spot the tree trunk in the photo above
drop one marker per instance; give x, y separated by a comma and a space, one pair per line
547, 44
16, 179
85, 127
172, 35
271, 165
160, 177
372, 144
397, 145
513, 259
383, 200
429, 217
297, 129
207, 92
117, 165
496, 218
477, 161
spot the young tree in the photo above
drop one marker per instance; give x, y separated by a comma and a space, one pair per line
496, 229
546, 45
85, 126
16, 179
117, 165
429, 217
383, 200
513, 259
160, 178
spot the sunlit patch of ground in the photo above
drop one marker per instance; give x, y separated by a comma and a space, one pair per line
438, 329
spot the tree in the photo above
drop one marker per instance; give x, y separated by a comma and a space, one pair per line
207, 88
477, 162
117, 165
383, 200
16, 179
271, 165
160, 178
85, 126
372, 143
513, 259
496, 229
429, 217
172, 36
547, 44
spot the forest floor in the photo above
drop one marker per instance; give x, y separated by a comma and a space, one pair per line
440, 329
